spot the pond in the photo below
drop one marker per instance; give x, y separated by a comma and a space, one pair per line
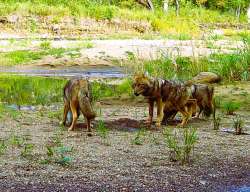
22, 92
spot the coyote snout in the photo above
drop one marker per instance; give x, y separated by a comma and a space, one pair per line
77, 98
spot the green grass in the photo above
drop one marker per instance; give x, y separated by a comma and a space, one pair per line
24, 56
139, 137
45, 91
45, 45
185, 26
231, 67
21, 90
181, 144
230, 107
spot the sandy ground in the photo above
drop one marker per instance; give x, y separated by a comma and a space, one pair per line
220, 161
142, 49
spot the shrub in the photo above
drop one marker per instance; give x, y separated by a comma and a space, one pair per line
238, 124
230, 107
181, 147
103, 132
45, 45
139, 137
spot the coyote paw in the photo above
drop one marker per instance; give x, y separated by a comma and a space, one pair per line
148, 122
89, 134
158, 124
180, 125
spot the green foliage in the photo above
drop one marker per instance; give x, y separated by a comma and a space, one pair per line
27, 150
139, 137
124, 87
23, 57
101, 12
216, 120
102, 130
21, 90
88, 44
102, 90
45, 45
162, 67
130, 56
105, 90
57, 152
185, 26
58, 155
3, 147
229, 66
238, 124
16, 141
63, 159
181, 147
230, 107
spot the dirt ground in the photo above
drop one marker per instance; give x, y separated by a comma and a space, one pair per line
220, 161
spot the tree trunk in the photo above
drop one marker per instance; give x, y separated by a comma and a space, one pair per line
146, 3
165, 6
177, 7
238, 10
248, 14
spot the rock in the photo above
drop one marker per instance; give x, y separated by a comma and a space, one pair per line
9, 19
203, 182
3, 19
207, 77
13, 19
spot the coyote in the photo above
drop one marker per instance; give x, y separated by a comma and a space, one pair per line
204, 96
172, 97
170, 110
201, 98
163, 92
77, 98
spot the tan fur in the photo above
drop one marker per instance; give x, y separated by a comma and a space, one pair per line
77, 98
162, 92
204, 95
170, 110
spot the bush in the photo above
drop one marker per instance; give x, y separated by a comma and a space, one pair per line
181, 147
230, 107
238, 124
101, 12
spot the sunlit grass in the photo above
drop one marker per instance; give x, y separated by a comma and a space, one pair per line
188, 22
26, 56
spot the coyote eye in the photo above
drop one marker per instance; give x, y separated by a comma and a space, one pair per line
141, 85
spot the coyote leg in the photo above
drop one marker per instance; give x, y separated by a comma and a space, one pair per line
160, 113
150, 112
66, 110
185, 116
88, 126
74, 113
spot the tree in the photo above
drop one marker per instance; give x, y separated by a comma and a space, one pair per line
177, 7
165, 5
146, 3
237, 5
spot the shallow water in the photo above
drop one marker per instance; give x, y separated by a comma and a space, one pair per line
91, 72
240, 189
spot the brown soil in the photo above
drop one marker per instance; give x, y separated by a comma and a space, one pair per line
220, 161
